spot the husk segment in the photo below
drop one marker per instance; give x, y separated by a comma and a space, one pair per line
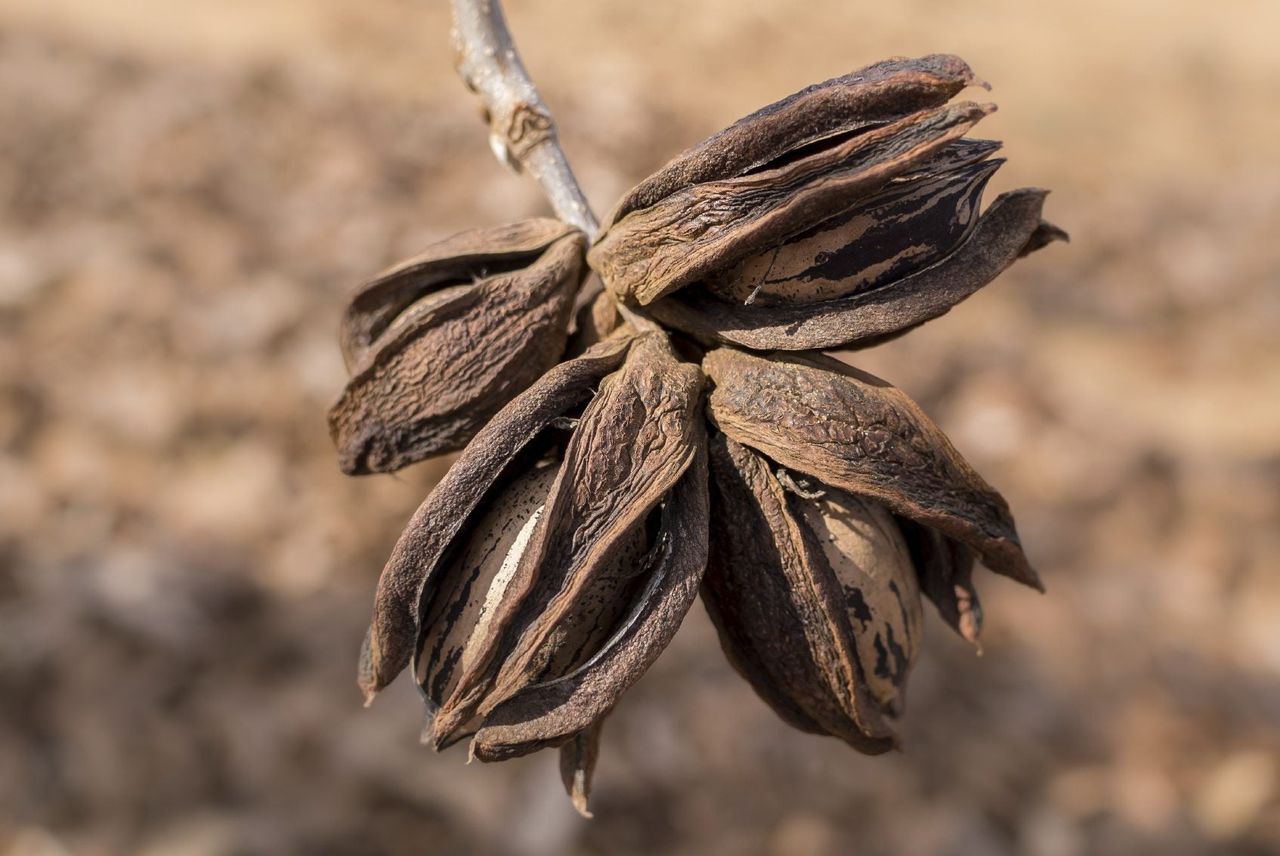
699, 230
945, 568
632, 443
1009, 229
911, 223
862, 99
851, 430
394, 633
548, 713
779, 609
578, 765
437, 345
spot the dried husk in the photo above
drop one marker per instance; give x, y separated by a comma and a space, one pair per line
440, 343
470, 584
1009, 229
945, 569
437, 524
863, 99
631, 445
547, 713
911, 223
871, 96
773, 174
459, 617
855, 432
558, 556
578, 765
802, 592
700, 230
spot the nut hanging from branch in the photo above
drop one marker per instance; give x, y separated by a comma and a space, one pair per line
689, 435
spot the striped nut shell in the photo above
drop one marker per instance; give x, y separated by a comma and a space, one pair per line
838, 217
872, 304
779, 172
814, 596
911, 223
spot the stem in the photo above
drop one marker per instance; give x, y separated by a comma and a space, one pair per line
521, 131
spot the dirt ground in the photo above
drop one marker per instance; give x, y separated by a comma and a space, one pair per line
188, 189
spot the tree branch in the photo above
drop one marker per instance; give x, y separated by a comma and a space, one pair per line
521, 131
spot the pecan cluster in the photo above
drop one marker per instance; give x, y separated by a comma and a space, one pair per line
682, 432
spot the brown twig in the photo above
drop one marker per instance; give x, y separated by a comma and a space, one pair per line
521, 130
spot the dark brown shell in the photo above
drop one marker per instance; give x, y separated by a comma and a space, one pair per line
438, 344
871, 565
468, 586
460, 616
854, 431
1009, 229
911, 223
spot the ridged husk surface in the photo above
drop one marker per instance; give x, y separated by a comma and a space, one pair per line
438, 344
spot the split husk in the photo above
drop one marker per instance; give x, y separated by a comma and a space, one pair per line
843, 215
1008, 230
814, 597
871, 440
556, 559
437, 345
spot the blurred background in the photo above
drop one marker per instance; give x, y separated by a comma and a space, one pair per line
187, 190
